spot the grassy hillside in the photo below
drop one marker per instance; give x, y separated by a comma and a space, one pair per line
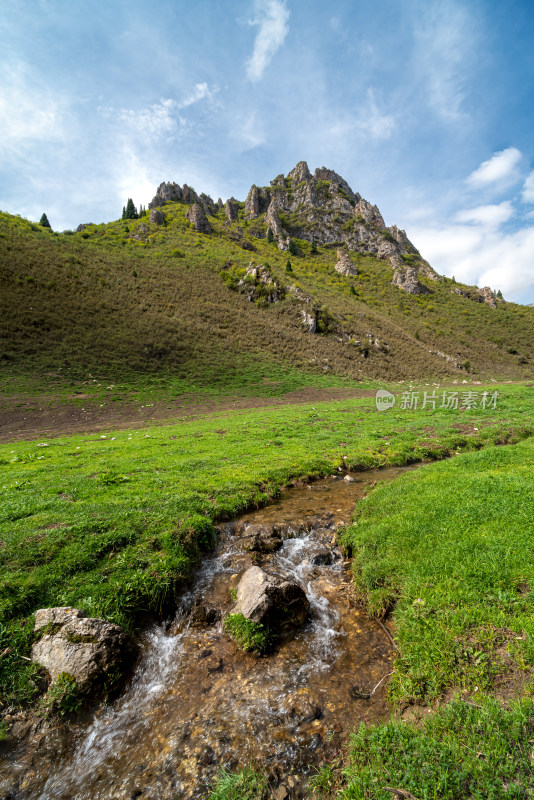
102, 302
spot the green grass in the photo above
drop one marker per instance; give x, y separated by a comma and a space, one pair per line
250, 636
114, 523
462, 751
247, 784
449, 549
103, 304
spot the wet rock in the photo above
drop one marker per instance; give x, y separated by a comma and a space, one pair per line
84, 647
277, 603
202, 615
323, 557
198, 219
263, 539
281, 793
357, 693
349, 479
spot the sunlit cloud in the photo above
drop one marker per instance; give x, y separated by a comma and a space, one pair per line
493, 215
500, 169
272, 17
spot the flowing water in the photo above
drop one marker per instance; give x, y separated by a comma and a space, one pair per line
196, 703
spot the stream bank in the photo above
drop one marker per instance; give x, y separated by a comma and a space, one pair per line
196, 703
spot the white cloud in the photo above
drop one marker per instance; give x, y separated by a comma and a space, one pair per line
272, 17
371, 122
200, 92
377, 124
500, 169
156, 120
249, 132
445, 39
481, 255
492, 215
528, 189
29, 111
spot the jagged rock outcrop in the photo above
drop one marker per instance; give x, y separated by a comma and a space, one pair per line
86, 648
156, 217
487, 296
231, 208
344, 264
277, 603
259, 285
370, 213
406, 279
166, 193
172, 193
309, 320
257, 202
322, 208
198, 219
272, 218
82, 226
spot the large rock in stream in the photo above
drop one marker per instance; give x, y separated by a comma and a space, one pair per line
87, 648
275, 602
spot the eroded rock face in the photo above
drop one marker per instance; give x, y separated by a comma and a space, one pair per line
344, 264
406, 279
198, 219
277, 603
230, 209
166, 193
487, 297
84, 647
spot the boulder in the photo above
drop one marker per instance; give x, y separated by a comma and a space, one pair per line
156, 217
406, 279
263, 538
275, 602
198, 219
309, 321
344, 264
84, 647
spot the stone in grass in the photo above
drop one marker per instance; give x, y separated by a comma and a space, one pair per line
95, 653
272, 601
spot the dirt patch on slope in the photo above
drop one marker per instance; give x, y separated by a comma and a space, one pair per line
24, 418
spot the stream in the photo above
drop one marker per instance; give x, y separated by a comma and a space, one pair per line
196, 703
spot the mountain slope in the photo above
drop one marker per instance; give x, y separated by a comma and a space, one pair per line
161, 293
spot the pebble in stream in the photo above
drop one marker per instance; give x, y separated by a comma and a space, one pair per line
197, 703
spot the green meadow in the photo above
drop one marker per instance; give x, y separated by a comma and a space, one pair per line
114, 523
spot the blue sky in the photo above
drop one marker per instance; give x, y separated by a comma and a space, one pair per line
426, 108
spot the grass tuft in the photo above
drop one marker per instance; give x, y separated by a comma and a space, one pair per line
249, 636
